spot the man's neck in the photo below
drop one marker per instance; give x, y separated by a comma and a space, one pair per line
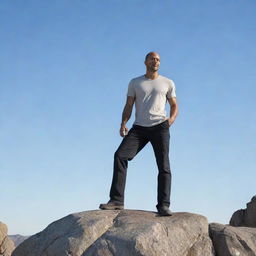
151, 75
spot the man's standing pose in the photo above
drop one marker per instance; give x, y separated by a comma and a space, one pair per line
150, 93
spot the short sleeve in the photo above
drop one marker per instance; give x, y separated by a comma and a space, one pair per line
131, 90
171, 93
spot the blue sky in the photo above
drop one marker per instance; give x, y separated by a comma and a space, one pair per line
65, 67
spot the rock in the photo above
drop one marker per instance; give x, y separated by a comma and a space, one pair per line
237, 219
238, 239
121, 233
70, 235
233, 241
6, 244
18, 239
245, 217
203, 246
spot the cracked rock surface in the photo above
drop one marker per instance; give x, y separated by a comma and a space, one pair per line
233, 241
238, 238
121, 233
6, 244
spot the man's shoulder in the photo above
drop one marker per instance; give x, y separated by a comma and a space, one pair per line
138, 78
166, 78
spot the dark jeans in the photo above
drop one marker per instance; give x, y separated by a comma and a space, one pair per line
133, 142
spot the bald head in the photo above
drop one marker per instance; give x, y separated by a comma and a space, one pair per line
150, 54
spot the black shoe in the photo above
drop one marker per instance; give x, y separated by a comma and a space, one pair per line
112, 206
164, 211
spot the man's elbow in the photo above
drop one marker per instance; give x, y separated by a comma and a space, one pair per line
174, 106
128, 107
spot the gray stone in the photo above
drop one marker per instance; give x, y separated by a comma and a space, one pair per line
233, 241
6, 244
18, 239
71, 235
202, 247
245, 217
121, 233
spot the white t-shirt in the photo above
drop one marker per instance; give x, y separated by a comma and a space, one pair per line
150, 99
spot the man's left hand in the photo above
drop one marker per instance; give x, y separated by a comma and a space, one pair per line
170, 121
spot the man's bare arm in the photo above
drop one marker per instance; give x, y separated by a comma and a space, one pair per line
174, 109
127, 110
126, 114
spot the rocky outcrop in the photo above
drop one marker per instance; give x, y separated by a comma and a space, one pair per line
18, 239
121, 233
6, 244
233, 241
245, 217
238, 238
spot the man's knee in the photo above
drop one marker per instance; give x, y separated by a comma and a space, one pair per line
165, 169
118, 155
122, 156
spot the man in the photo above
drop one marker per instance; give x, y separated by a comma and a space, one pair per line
150, 93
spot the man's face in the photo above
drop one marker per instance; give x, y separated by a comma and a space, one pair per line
153, 62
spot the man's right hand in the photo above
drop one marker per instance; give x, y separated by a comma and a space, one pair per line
123, 130
126, 115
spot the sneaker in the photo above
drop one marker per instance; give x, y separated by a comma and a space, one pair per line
164, 211
112, 206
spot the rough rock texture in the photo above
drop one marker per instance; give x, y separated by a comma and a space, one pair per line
6, 244
245, 217
18, 239
121, 233
233, 241
70, 235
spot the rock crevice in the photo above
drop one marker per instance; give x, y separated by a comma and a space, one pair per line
99, 237
238, 238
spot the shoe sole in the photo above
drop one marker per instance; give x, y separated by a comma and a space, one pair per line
114, 207
165, 215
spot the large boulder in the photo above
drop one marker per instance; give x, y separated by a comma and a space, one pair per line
6, 244
233, 241
245, 217
121, 233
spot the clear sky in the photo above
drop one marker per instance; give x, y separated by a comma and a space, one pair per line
64, 70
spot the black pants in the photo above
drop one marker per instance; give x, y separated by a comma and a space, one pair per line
133, 142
